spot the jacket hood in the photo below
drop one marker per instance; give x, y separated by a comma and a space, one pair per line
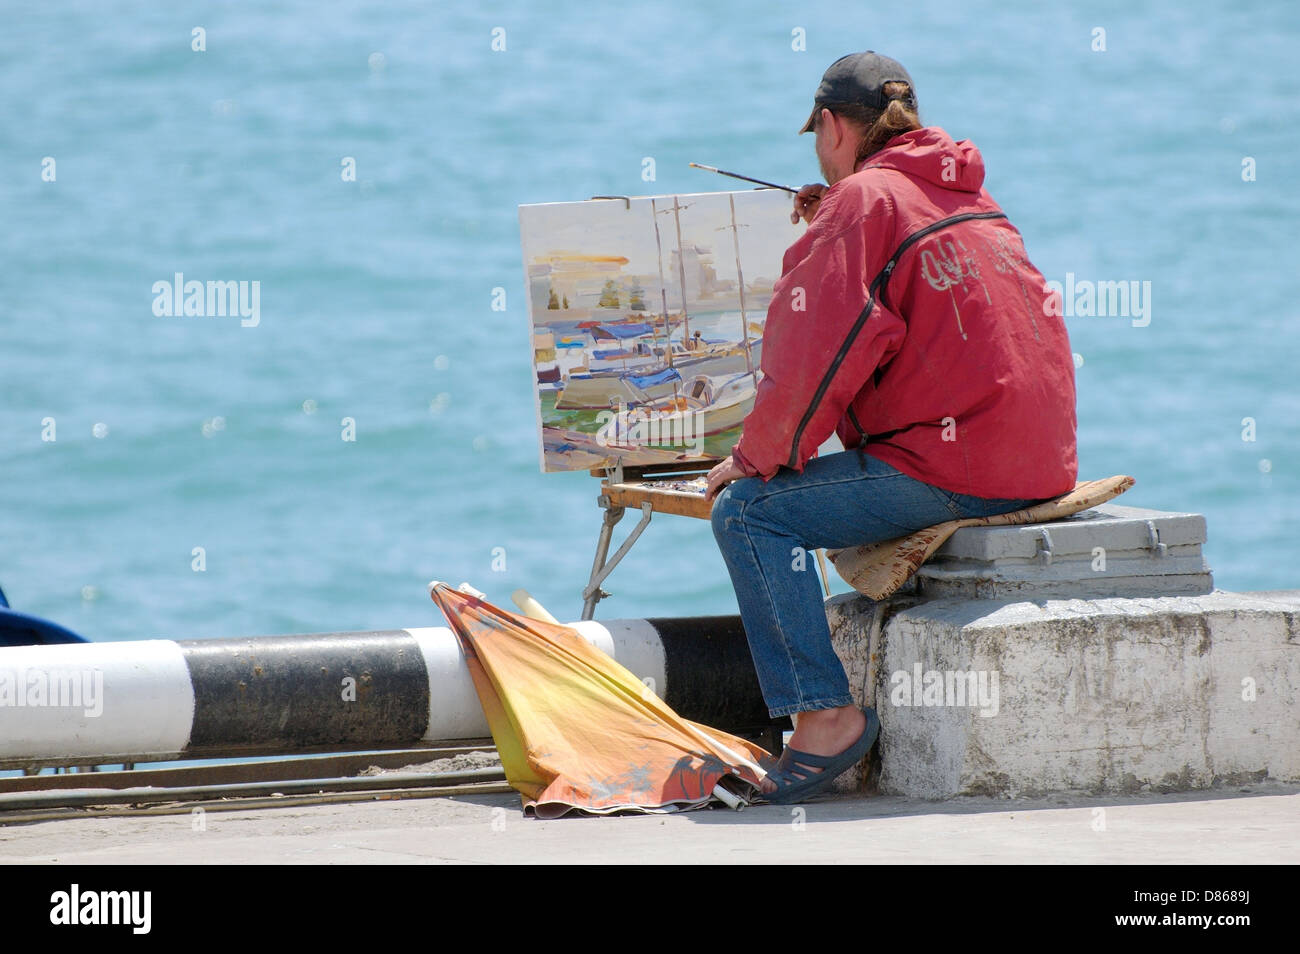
931, 154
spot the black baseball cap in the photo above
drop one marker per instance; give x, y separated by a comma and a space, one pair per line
860, 78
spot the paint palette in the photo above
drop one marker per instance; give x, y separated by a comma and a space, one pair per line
684, 497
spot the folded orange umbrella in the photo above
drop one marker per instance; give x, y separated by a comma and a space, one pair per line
577, 731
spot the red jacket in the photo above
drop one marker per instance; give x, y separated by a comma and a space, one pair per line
909, 321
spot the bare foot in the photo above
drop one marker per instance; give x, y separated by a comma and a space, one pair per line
822, 732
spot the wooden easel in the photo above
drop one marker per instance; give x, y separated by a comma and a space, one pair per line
634, 487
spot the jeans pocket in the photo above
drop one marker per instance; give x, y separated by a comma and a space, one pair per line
989, 506
948, 500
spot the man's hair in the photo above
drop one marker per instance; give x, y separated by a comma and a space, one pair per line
877, 126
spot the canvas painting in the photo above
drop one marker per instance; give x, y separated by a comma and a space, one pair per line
647, 321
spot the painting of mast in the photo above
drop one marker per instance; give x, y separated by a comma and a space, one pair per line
646, 317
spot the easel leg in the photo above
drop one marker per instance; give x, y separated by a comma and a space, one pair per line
600, 568
612, 516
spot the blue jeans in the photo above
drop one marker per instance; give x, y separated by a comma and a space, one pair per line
767, 530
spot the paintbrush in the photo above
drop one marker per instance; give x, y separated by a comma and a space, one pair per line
736, 175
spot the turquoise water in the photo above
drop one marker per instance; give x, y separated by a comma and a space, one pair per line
376, 295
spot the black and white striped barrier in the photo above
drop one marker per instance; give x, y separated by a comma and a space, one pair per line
158, 699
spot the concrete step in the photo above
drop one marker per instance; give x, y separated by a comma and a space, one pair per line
1105, 694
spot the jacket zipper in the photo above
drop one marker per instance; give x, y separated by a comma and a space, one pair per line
854, 419
862, 439
877, 285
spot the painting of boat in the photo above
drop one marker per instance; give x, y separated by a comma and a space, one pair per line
706, 407
596, 389
655, 303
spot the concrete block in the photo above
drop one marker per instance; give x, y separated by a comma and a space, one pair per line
1122, 695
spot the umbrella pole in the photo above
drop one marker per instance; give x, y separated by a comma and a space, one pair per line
731, 801
530, 607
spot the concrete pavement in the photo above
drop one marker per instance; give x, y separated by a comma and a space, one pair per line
1254, 824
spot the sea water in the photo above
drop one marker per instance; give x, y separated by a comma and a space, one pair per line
204, 475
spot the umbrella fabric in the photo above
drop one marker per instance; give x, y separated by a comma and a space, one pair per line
576, 730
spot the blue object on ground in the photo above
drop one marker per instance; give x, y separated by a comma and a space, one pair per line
21, 629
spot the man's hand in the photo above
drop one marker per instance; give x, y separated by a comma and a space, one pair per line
806, 202
721, 475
